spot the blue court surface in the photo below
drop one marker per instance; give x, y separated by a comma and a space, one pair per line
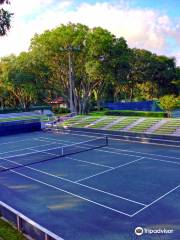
103, 193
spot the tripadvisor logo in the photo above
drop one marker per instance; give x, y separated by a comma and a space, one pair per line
139, 231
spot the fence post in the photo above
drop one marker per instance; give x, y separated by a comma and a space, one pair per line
18, 221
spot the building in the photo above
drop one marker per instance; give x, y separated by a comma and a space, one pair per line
58, 102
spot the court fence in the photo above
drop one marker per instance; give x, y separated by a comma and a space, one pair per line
19, 126
25, 225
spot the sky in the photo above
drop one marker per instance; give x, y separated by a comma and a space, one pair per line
149, 24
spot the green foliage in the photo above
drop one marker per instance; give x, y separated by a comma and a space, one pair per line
33, 108
168, 103
98, 113
135, 113
10, 110
147, 91
5, 19
7, 232
60, 110
103, 69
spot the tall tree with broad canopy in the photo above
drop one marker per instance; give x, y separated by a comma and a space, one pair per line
91, 63
103, 67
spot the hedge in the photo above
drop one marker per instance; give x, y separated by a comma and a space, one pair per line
31, 108
10, 110
60, 110
135, 113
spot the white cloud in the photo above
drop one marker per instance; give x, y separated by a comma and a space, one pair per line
26, 22
142, 28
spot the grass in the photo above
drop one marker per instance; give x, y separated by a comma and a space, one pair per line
17, 118
44, 118
89, 121
145, 125
98, 113
124, 123
169, 127
104, 122
7, 232
73, 121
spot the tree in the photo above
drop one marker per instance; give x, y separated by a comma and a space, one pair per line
164, 74
176, 82
104, 69
168, 103
140, 71
18, 81
120, 67
90, 63
147, 91
5, 19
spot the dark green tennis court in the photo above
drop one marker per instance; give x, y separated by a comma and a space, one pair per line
103, 193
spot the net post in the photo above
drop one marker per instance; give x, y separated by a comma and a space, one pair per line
62, 151
107, 141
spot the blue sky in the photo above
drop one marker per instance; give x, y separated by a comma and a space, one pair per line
150, 24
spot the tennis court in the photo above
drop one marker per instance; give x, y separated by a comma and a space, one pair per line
103, 192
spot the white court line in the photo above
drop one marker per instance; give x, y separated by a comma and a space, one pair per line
166, 161
125, 140
73, 159
132, 155
132, 215
67, 192
172, 190
21, 149
122, 165
151, 154
118, 153
13, 142
29, 139
50, 149
22, 140
67, 180
97, 164
156, 199
44, 151
99, 150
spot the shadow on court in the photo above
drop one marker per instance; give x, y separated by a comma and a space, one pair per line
104, 193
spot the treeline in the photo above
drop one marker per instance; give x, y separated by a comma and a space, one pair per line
104, 67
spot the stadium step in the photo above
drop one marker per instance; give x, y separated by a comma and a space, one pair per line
156, 126
133, 124
113, 123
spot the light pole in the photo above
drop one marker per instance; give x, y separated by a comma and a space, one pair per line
70, 50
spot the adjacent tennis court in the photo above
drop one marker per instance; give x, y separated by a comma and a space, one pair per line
86, 187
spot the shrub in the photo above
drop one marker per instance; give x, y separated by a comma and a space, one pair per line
11, 110
135, 113
168, 103
61, 110
43, 107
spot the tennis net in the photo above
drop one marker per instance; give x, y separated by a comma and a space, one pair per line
36, 156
